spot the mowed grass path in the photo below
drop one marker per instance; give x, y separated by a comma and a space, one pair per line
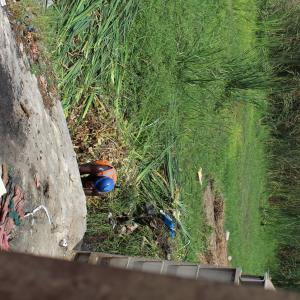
229, 144
245, 184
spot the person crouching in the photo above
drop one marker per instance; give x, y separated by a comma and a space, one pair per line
101, 177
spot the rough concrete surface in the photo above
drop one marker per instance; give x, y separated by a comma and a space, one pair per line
34, 140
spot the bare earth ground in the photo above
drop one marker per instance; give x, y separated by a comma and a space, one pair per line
35, 142
214, 210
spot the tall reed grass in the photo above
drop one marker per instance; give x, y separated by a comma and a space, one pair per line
92, 49
282, 27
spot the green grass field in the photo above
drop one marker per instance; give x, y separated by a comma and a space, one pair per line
245, 186
182, 78
186, 83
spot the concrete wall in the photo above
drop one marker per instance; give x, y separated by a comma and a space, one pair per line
35, 140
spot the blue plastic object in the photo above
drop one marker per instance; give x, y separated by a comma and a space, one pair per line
104, 184
169, 223
172, 234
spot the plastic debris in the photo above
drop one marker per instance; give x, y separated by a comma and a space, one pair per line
168, 221
229, 258
128, 228
227, 234
63, 243
123, 223
132, 227
2, 188
112, 221
41, 207
200, 176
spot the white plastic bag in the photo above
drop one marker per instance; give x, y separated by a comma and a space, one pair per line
2, 186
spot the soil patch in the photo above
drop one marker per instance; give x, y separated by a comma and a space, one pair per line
216, 253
